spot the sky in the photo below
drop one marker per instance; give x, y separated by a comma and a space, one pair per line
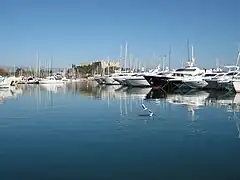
74, 31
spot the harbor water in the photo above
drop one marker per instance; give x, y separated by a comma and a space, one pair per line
86, 131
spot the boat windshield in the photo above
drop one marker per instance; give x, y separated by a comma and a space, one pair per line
231, 74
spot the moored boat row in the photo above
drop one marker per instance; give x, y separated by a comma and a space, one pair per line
190, 76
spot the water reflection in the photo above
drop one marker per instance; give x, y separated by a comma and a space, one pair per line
9, 93
129, 100
192, 100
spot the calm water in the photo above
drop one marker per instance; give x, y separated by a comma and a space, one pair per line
81, 131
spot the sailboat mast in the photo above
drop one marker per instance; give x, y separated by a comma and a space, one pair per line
163, 59
139, 66
136, 65
125, 59
36, 70
188, 50
192, 54
39, 69
217, 63
121, 57
238, 57
130, 61
51, 62
169, 58
108, 65
14, 70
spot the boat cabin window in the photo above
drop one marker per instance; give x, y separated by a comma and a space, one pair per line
209, 75
183, 69
178, 75
220, 75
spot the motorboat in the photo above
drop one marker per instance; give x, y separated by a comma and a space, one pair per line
139, 81
7, 82
114, 79
29, 80
174, 79
121, 79
207, 80
52, 80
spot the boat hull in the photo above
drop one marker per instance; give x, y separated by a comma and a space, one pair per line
156, 81
137, 82
196, 84
110, 81
236, 85
51, 82
212, 84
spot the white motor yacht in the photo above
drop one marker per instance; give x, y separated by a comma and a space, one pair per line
175, 78
115, 78
29, 80
179, 77
196, 82
207, 80
222, 79
212, 79
139, 81
52, 80
121, 79
6, 82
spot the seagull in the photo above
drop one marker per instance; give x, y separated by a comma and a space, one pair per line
145, 108
150, 113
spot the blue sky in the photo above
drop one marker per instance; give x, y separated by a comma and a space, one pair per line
74, 31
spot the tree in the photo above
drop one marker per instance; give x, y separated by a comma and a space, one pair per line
3, 72
19, 72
